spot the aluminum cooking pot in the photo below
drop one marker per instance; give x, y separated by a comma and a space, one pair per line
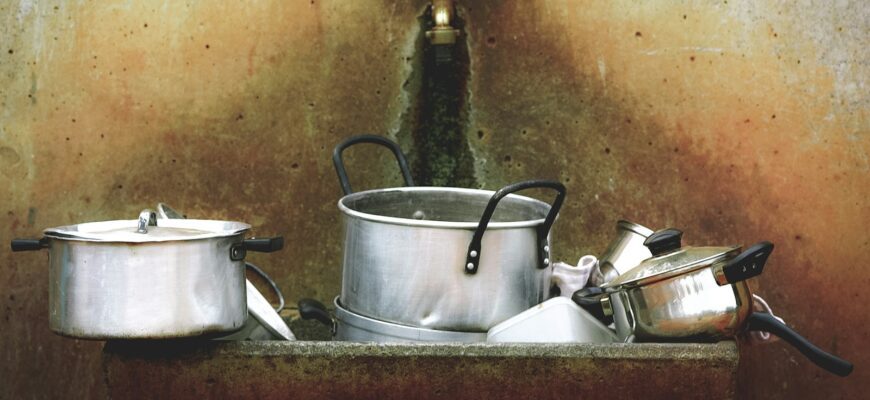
348, 326
147, 278
686, 293
263, 322
443, 258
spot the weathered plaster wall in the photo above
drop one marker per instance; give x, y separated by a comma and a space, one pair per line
736, 121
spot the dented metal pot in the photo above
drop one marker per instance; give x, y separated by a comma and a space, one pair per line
443, 258
147, 278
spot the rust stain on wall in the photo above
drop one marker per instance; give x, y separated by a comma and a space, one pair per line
735, 122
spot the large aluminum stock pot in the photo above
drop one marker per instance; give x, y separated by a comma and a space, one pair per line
443, 258
147, 278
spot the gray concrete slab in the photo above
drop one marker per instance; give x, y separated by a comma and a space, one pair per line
420, 371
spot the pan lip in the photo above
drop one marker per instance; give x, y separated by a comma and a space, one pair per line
439, 224
95, 231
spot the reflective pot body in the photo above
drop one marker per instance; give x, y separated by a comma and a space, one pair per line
405, 253
626, 251
106, 290
692, 305
352, 327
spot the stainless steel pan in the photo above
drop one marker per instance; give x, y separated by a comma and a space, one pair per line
694, 293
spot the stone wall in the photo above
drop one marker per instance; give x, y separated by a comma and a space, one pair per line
735, 121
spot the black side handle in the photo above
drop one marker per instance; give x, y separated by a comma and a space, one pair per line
829, 362
313, 309
472, 257
748, 264
29, 244
664, 241
264, 245
590, 300
374, 139
238, 251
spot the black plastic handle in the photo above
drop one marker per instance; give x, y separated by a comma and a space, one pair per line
264, 245
664, 241
590, 300
374, 139
238, 251
313, 309
748, 264
472, 259
29, 244
829, 362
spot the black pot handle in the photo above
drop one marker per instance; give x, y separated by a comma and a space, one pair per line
748, 264
397, 151
590, 300
472, 257
829, 362
313, 309
238, 251
29, 244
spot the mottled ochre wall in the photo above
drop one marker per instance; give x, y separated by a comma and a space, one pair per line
736, 121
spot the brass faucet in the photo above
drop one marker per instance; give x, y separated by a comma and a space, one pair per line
443, 35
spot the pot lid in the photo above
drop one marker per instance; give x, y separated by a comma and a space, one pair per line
147, 229
669, 259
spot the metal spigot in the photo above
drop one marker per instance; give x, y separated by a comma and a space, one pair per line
443, 35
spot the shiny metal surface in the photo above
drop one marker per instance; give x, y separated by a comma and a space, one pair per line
352, 327
165, 230
146, 290
263, 322
411, 271
626, 251
689, 305
681, 261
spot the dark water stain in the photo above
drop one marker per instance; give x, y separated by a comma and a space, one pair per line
436, 121
31, 216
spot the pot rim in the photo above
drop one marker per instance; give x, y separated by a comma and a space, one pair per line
641, 278
96, 231
439, 224
405, 332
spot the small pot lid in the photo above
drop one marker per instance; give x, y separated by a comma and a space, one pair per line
147, 229
669, 259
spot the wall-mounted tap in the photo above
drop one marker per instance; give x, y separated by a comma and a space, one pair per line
442, 35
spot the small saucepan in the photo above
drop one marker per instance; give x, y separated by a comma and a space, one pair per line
694, 293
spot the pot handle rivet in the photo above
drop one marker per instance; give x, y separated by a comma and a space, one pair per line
473, 259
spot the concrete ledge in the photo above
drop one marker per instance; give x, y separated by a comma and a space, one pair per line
173, 369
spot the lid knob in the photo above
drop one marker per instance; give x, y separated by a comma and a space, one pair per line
663, 241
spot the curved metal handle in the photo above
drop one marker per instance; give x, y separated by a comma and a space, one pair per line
271, 283
472, 257
166, 212
397, 151
146, 218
